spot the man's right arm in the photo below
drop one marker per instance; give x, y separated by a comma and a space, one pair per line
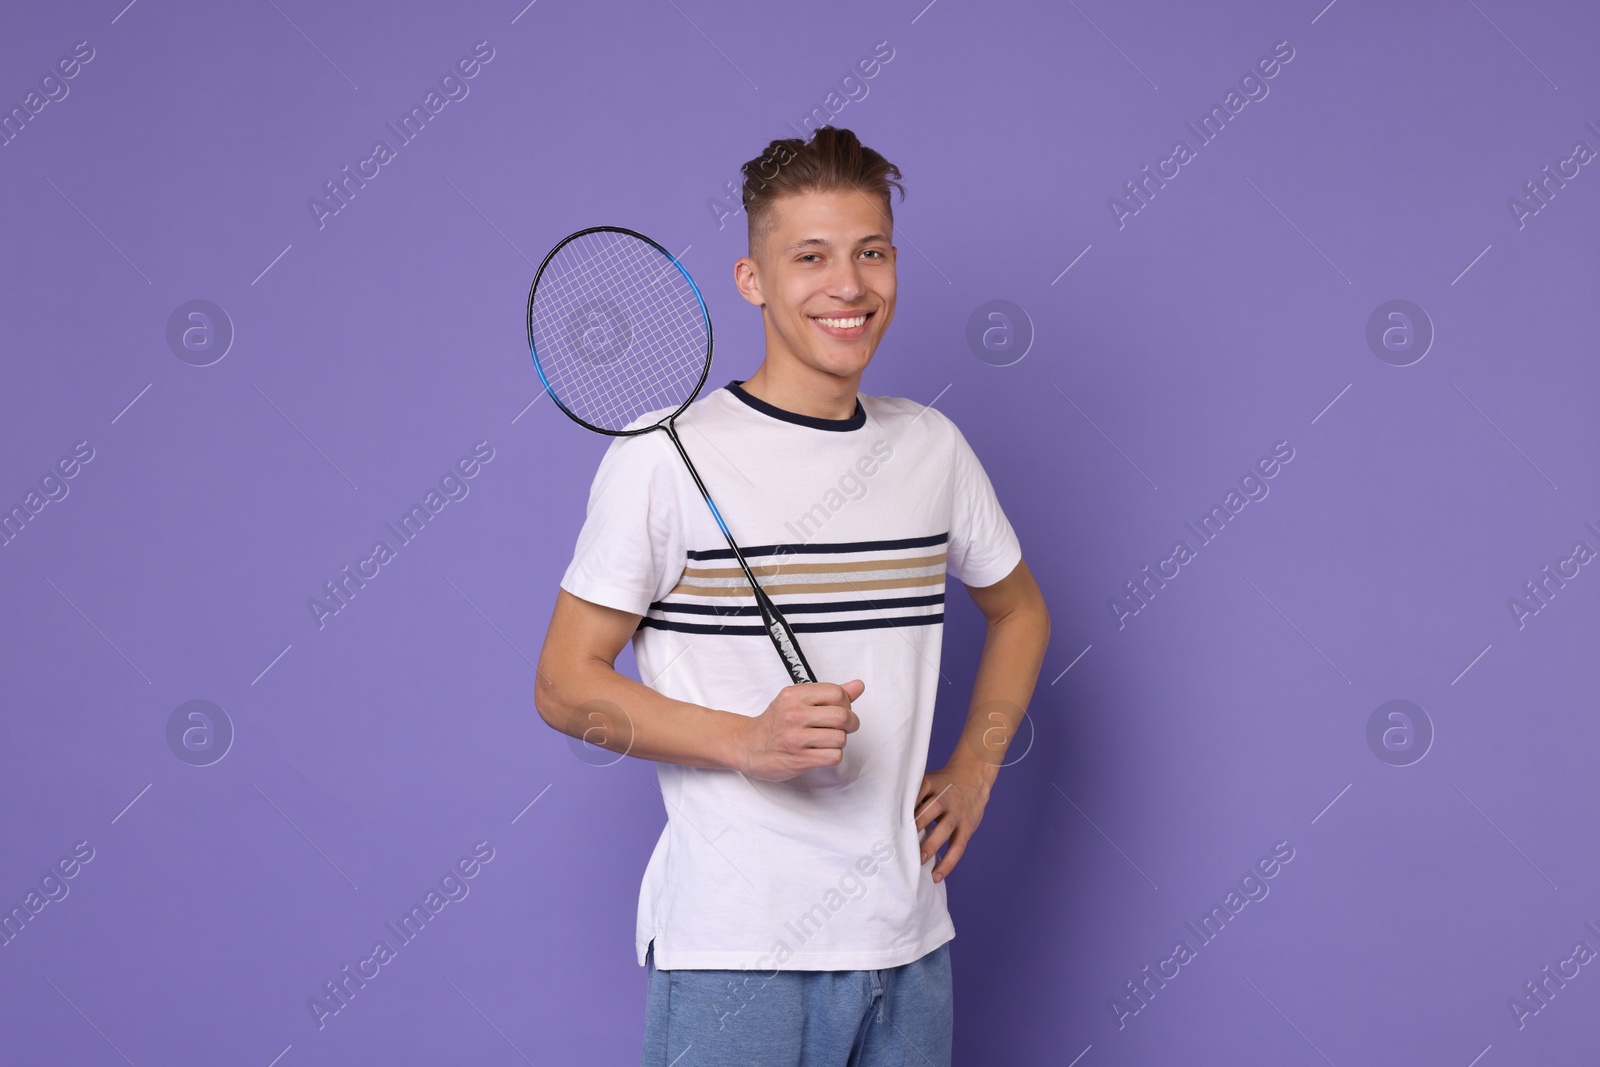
579, 692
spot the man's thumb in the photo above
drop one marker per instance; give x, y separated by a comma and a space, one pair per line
854, 688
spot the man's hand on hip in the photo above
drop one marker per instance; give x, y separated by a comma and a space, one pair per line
951, 800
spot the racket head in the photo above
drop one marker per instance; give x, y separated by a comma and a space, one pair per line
617, 329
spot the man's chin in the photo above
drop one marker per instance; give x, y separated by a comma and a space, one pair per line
845, 364
843, 357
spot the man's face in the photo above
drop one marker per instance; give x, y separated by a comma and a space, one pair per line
825, 279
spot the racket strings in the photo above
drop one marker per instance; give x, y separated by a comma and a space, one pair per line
618, 330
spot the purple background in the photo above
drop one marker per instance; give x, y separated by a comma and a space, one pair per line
1230, 313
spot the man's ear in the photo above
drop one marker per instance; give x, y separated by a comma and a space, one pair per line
744, 276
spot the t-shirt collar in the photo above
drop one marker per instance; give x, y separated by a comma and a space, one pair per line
854, 422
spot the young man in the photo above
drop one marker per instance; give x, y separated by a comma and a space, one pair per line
793, 912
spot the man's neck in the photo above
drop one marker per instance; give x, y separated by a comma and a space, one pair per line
804, 391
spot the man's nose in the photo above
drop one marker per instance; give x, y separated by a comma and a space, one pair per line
846, 283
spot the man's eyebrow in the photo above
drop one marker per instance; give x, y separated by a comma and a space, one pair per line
825, 243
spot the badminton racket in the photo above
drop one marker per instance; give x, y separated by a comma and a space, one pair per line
618, 330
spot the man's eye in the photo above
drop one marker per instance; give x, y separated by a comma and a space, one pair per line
873, 252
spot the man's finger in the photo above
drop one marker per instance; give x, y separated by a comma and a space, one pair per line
823, 737
828, 757
824, 717
824, 693
926, 813
952, 856
936, 838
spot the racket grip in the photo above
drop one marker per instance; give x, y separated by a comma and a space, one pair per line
784, 640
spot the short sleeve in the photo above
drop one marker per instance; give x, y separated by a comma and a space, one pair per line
631, 550
983, 547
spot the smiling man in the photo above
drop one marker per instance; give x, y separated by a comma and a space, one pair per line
793, 912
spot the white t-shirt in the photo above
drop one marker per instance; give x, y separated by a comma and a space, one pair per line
850, 525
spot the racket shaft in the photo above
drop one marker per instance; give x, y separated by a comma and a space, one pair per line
777, 627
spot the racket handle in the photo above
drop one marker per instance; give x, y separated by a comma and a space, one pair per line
783, 639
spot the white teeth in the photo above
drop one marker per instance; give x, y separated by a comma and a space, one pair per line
844, 324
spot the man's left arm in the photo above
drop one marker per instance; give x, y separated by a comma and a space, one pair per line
952, 798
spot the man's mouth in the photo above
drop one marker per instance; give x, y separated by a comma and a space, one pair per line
844, 327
